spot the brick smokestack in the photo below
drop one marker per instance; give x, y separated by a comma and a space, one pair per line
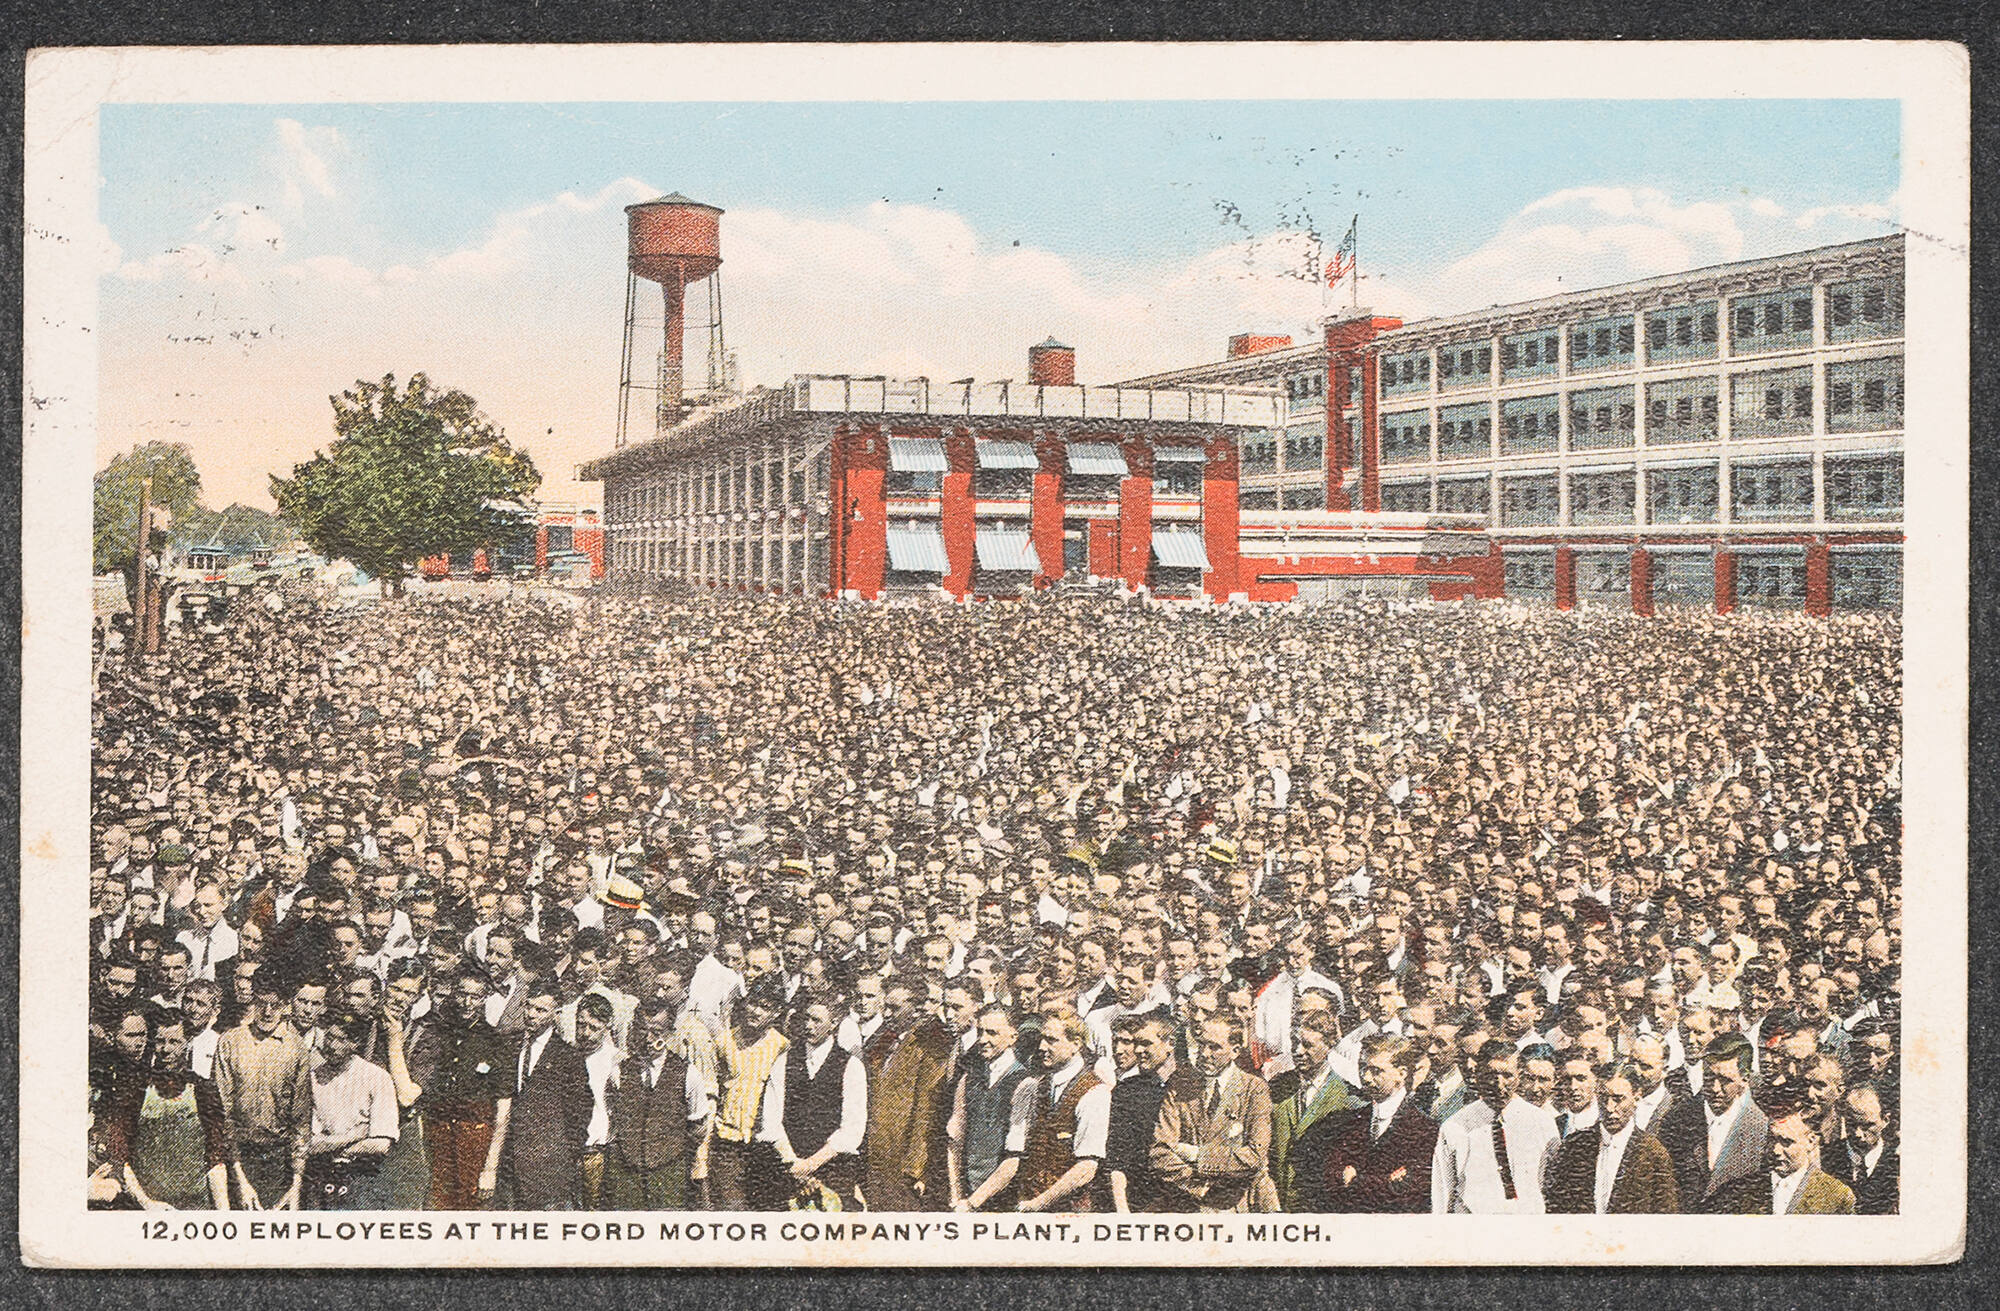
1052, 364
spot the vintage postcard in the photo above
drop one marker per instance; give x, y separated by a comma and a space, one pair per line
947, 655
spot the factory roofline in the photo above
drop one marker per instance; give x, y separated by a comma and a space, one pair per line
1615, 295
1194, 410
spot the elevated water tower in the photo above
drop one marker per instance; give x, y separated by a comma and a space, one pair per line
673, 241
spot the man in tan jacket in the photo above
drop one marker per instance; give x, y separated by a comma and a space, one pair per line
1212, 1142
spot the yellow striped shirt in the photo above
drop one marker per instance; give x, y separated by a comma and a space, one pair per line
744, 1072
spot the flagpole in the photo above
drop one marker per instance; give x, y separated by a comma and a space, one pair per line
1354, 290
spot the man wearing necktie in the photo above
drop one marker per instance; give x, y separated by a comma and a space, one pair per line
1614, 1167
541, 1162
1212, 1142
1490, 1156
1375, 1158
659, 1109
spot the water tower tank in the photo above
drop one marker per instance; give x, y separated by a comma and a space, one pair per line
674, 239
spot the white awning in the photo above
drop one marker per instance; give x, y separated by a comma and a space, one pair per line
1007, 549
917, 455
1180, 455
1100, 458
995, 454
917, 548
1180, 549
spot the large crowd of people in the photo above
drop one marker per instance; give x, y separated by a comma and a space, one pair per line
1071, 903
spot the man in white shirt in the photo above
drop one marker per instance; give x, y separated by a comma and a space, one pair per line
1576, 1095
209, 940
591, 1016
864, 1019
1649, 1062
815, 1108
714, 985
1068, 1114
1491, 1155
1383, 997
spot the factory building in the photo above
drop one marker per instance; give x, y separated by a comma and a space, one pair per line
1730, 436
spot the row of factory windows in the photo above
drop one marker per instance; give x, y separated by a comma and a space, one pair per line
1869, 578
1862, 310
799, 566
1861, 396
1858, 489
753, 485
1302, 446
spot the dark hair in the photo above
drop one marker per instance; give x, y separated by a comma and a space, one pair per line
596, 1004
1727, 1047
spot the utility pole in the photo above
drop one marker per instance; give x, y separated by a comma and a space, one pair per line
142, 608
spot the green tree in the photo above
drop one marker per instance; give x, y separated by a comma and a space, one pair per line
115, 513
410, 474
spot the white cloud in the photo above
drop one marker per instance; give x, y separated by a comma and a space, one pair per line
304, 153
1596, 236
240, 224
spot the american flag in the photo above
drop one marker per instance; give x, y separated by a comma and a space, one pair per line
1342, 262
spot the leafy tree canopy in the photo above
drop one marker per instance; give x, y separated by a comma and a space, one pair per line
410, 473
115, 516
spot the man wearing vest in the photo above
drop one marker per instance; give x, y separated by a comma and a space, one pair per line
745, 1053
1071, 1110
816, 1109
986, 1121
660, 1106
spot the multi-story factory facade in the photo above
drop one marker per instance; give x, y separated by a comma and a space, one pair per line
1731, 436
850, 486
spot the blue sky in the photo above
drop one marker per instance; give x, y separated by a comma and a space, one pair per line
267, 255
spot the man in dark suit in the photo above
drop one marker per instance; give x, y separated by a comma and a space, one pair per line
1130, 1183
541, 1161
1717, 1138
1792, 1182
1864, 1159
659, 1110
1374, 1158
1614, 1167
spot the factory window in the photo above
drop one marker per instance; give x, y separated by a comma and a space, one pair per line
1864, 487
1682, 411
1601, 344
1865, 395
1305, 446
1465, 432
1604, 578
1867, 580
1090, 487
1258, 498
1683, 579
1354, 384
1774, 321
1465, 365
1465, 496
1869, 308
796, 492
1305, 498
1406, 437
1601, 419
1259, 453
1775, 403
1781, 490
1530, 354
1602, 496
1530, 424
1406, 374
1175, 480
1529, 575
560, 537
1684, 332
1532, 501
1305, 391
1683, 495
1408, 497
1771, 581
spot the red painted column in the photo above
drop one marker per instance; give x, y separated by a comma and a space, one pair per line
1565, 578
541, 549
1642, 581
863, 512
955, 512
1339, 452
1221, 520
1103, 539
1819, 580
1135, 514
1725, 581
1371, 450
1045, 507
